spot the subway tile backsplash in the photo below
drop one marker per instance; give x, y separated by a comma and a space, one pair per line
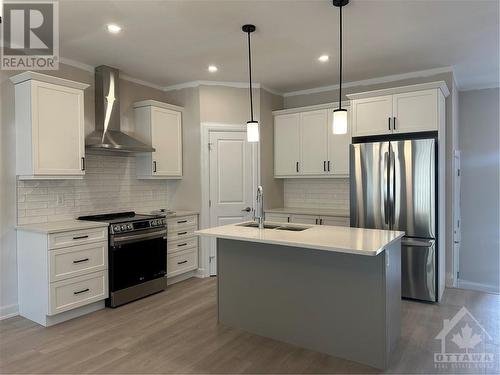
330, 193
109, 185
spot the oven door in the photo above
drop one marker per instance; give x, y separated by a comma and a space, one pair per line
137, 258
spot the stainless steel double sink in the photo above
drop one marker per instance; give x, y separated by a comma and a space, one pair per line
291, 228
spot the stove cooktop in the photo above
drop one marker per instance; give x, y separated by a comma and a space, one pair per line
119, 217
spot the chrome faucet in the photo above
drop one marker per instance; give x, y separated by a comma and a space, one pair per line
259, 208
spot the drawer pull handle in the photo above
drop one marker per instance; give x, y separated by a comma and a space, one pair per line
182, 221
181, 233
182, 244
81, 291
182, 262
80, 237
81, 260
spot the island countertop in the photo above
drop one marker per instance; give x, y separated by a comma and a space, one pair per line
359, 241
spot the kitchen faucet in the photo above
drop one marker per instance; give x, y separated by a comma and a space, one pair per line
259, 208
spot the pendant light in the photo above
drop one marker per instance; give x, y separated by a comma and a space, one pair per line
339, 125
252, 125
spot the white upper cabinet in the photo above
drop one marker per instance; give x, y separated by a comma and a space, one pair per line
305, 146
338, 148
287, 144
313, 142
371, 116
159, 124
415, 111
407, 109
50, 133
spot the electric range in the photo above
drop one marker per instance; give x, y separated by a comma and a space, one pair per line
137, 255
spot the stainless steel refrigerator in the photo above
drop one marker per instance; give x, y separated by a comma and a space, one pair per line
393, 186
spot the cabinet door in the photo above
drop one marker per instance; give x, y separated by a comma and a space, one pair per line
416, 111
370, 116
277, 218
338, 148
58, 129
304, 219
286, 145
337, 221
166, 134
313, 142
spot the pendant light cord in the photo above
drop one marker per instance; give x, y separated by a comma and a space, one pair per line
340, 61
250, 75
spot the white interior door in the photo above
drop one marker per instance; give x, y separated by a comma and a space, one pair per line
231, 181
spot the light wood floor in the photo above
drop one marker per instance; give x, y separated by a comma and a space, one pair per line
176, 332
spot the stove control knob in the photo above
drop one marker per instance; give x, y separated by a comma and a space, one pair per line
123, 227
116, 228
130, 227
155, 223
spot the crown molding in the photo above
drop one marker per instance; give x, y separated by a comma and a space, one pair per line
441, 85
373, 81
191, 84
484, 86
91, 69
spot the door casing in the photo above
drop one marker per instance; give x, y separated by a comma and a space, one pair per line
206, 129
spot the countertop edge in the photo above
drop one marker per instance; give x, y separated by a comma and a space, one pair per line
85, 225
309, 211
304, 245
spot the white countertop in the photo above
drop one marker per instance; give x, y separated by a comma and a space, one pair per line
359, 241
180, 213
309, 211
61, 226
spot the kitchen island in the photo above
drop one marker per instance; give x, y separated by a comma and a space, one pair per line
335, 290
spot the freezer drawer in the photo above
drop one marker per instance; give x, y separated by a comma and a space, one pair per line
418, 269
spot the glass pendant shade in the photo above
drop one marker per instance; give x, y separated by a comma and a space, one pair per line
339, 121
252, 131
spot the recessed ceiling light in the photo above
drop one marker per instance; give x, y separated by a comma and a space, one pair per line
113, 28
212, 68
324, 58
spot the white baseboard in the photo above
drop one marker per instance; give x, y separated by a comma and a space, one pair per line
464, 284
8, 311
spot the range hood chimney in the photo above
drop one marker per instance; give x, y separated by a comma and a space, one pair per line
107, 135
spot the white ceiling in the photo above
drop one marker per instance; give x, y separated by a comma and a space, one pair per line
171, 42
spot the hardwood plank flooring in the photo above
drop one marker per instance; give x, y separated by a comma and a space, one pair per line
176, 332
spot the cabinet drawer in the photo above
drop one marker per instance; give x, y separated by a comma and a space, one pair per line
304, 219
176, 223
181, 262
183, 244
78, 291
337, 221
277, 218
180, 234
77, 260
77, 237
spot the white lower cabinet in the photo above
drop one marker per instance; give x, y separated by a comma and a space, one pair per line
182, 245
61, 274
341, 221
277, 218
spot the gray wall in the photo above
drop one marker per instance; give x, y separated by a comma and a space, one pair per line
273, 187
480, 190
451, 134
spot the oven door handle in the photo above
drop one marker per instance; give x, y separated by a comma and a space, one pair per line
139, 237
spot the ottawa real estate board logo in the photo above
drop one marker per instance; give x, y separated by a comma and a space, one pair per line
30, 35
465, 344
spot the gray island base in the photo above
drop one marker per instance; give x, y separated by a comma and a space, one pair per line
344, 305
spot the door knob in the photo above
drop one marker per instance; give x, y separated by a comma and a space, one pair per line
246, 209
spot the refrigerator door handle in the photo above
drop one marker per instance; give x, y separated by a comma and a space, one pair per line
386, 190
413, 242
392, 186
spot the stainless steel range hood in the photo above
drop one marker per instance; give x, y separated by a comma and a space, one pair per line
107, 135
